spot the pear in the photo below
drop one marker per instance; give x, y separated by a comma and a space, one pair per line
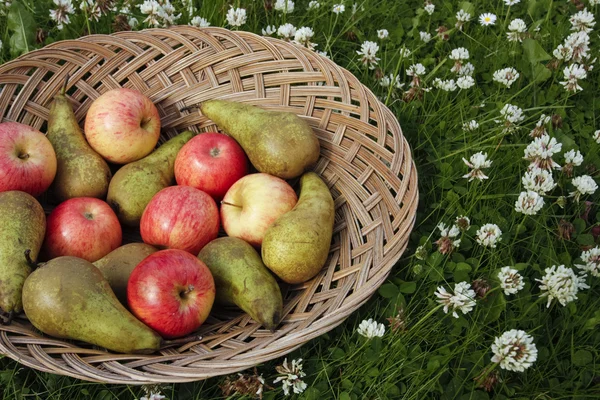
117, 265
242, 279
69, 298
80, 172
134, 185
22, 230
277, 143
296, 245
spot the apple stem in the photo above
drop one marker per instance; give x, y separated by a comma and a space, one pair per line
6, 318
63, 90
188, 290
31, 263
230, 204
180, 341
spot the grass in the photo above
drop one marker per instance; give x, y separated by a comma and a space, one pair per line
430, 355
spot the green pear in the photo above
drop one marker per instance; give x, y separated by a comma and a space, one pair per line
134, 185
22, 230
69, 298
80, 171
242, 279
277, 143
117, 265
296, 245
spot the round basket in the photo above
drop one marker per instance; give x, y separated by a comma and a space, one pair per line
365, 161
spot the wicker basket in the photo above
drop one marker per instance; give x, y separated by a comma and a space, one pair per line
365, 160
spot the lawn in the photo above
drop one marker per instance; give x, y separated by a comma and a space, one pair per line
497, 293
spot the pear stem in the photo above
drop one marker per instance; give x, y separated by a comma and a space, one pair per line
230, 204
188, 108
30, 262
63, 90
180, 341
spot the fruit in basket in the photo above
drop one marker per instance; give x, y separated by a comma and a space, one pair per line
134, 185
172, 292
296, 246
69, 298
122, 125
253, 203
242, 279
211, 162
81, 172
180, 217
27, 159
117, 265
83, 227
276, 142
22, 227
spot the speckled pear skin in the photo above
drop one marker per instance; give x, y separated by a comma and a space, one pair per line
134, 185
117, 265
22, 228
296, 245
69, 298
80, 172
277, 143
242, 279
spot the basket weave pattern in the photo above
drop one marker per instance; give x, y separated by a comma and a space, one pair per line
365, 161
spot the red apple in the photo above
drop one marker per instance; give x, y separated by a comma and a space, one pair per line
180, 217
211, 162
122, 125
27, 159
253, 203
83, 227
172, 292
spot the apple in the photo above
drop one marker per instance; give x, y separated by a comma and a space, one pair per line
253, 203
27, 159
172, 292
211, 162
83, 227
122, 125
180, 217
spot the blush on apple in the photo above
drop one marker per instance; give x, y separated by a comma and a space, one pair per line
27, 159
211, 162
83, 227
180, 217
122, 125
172, 292
253, 203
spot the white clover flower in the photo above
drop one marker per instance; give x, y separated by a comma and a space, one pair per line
323, 53
540, 151
591, 258
582, 21
368, 53
133, 22
303, 37
514, 350
470, 126
200, 22
447, 241
313, 5
512, 113
596, 136
269, 30
517, 28
153, 396
506, 76
573, 157
487, 19
448, 85
90, 7
60, 14
167, 14
461, 18
594, 2
540, 128
584, 184
416, 69
529, 203
429, 8
236, 16
538, 180
154, 11
563, 53
339, 8
511, 2
382, 34
404, 52
284, 6
463, 298
576, 47
466, 69
463, 222
391, 79
459, 53
488, 235
510, 280
370, 329
562, 284
477, 162
465, 82
572, 74
286, 31
291, 377
425, 37
355, 8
